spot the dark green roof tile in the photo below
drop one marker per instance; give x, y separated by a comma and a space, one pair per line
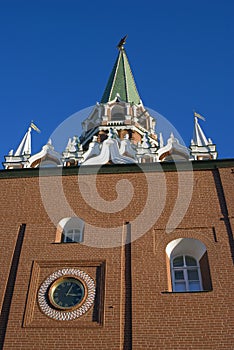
121, 81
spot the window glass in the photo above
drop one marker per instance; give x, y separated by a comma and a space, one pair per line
178, 261
180, 287
193, 275
194, 286
67, 239
179, 274
72, 236
190, 261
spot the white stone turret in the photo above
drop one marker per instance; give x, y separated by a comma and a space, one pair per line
19, 158
201, 147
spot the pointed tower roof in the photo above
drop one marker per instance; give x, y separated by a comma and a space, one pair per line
25, 144
199, 137
121, 80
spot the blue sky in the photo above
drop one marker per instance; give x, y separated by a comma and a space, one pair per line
56, 56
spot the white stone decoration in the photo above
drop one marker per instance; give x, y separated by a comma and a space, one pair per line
47, 151
94, 149
66, 315
109, 152
173, 148
127, 148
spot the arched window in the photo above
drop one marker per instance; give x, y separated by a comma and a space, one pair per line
72, 236
186, 274
117, 113
188, 266
70, 230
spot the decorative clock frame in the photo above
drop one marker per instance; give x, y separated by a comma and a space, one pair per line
66, 315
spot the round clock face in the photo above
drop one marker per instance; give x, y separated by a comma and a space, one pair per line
67, 293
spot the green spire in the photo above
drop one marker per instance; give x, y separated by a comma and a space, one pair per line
121, 80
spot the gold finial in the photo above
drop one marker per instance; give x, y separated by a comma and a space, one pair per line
122, 43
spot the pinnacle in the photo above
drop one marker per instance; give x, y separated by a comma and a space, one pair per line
121, 80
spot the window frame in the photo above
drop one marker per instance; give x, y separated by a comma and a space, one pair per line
75, 231
185, 269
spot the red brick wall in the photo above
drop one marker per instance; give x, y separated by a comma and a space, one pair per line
134, 308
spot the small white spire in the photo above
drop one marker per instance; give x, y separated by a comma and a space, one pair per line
210, 141
25, 144
161, 141
68, 144
201, 147
199, 137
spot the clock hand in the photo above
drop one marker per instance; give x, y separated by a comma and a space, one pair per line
69, 291
73, 295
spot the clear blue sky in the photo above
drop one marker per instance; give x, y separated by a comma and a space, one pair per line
56, 56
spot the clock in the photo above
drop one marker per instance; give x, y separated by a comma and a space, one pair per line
67, 293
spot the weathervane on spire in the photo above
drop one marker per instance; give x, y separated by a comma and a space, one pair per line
122, 43
197, 115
